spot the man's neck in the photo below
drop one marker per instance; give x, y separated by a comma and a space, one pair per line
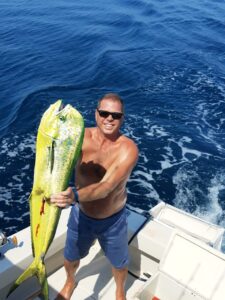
107, 139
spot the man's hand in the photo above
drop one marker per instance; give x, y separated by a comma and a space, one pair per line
63, 199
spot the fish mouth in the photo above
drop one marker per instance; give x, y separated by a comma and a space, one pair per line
60, 108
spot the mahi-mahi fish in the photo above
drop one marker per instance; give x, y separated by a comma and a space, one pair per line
59, 141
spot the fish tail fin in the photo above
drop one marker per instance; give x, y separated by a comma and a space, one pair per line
42, 277
29, 272
38, 269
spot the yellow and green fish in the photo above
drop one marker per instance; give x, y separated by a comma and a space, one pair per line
59, 141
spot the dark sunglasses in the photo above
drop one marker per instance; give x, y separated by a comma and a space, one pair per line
105, 114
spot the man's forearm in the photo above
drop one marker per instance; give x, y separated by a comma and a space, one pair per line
94, 192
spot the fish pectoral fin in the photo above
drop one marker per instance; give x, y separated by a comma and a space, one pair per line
51, 155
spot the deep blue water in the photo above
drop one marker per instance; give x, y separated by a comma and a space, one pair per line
165, 58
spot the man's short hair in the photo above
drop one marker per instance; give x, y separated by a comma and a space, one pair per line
112, 96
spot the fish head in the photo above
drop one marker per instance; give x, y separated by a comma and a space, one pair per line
59, 121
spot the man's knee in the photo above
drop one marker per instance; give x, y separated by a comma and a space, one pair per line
123, 269
71, 264
120, 272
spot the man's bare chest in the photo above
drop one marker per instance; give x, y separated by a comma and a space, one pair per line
95, 164
105, 159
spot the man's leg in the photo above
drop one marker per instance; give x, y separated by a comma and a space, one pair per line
70, 284
120, 276
113, 241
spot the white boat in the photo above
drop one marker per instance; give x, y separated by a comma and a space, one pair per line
173, 256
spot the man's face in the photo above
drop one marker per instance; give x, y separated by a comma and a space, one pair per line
109, 124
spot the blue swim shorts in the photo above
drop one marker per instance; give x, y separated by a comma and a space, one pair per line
111, 233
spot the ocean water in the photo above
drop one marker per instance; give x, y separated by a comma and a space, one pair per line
166, 60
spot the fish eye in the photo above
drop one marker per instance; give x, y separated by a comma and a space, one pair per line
62, 118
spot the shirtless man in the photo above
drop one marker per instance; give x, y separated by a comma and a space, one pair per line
102, 172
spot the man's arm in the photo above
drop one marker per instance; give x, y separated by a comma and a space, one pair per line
118, 172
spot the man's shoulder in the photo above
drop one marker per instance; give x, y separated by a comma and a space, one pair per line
126, 141
128, 144
88, 138
89, 131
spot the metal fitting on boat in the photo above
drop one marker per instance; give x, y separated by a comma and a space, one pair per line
3, 238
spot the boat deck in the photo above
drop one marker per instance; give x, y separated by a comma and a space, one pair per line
94, 279
184, 262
